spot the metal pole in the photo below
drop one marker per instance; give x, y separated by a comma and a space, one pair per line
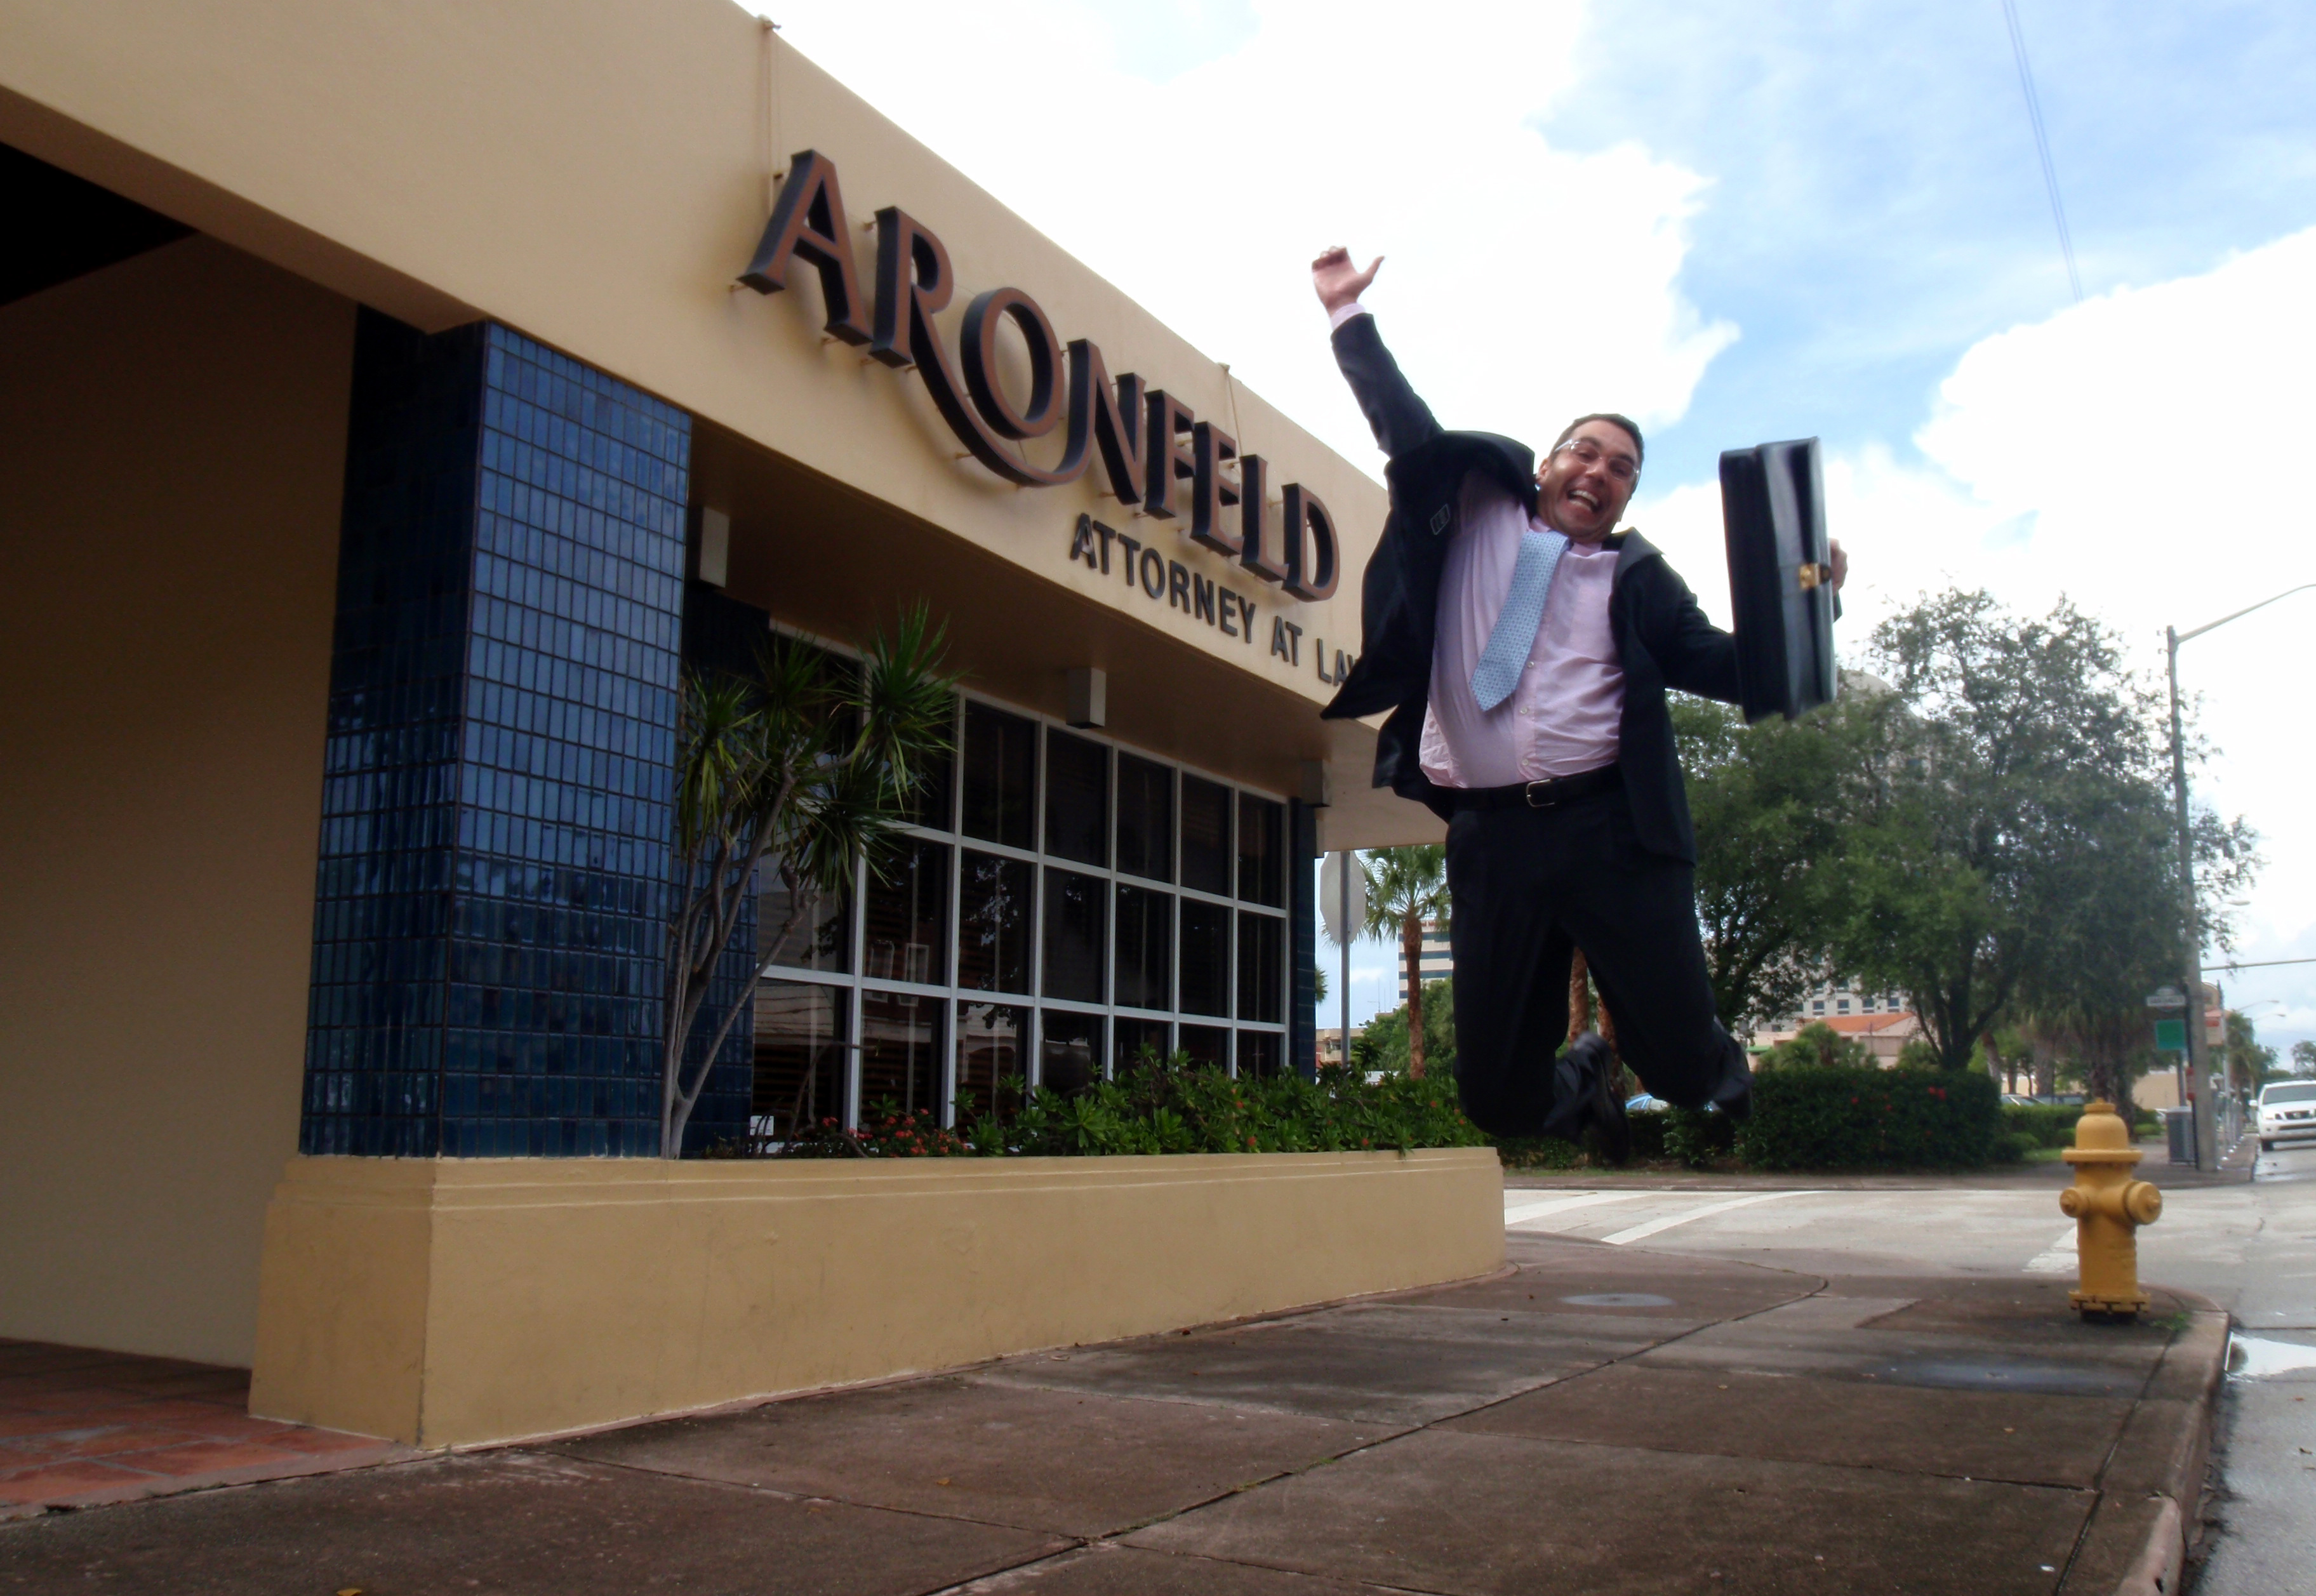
1343, 886
2207, 1139
2207, 1153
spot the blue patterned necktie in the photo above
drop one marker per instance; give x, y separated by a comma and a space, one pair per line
1509, 645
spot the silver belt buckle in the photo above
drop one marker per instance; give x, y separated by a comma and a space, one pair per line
1550, 802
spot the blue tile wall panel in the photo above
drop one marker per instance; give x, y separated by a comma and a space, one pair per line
493, 880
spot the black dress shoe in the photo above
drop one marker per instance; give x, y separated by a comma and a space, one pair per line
1604, 1104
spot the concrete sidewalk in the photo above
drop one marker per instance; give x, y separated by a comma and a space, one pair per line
1593, 1419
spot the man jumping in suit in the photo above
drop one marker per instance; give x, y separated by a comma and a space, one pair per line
1523, 648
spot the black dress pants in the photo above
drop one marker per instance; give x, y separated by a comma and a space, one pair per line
1529, 886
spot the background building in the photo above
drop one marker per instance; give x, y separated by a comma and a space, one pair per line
1879, 1020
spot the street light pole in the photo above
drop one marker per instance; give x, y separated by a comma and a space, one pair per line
2199, 1094
2207, 1138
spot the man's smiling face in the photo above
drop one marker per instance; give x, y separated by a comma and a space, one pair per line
1587, 481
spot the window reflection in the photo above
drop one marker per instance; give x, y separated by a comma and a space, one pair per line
1206, 958
906, 917
1001, 776
799, 1079
1146, 936
820, 939
1137, 1038
900, 1054
992, 1047
1145, 818
1206, 835
1070, 1050
1207, 1044
1260, 1054
1261, 967
993, 923
1262, 850
1077, 798
1074, 905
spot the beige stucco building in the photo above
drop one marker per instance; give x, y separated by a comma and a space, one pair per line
393, 399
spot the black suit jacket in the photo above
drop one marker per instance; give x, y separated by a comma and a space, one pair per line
1663, 638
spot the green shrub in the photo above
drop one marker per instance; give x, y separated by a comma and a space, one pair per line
1170, 1105
1537, 1153
2013, 1146
1649, 1132
1819, 1116
1695, 1138
2051, 1124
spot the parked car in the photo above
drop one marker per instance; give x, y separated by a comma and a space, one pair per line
2286, 1112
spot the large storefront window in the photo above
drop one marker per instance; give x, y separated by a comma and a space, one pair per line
1061, 904
800, 1064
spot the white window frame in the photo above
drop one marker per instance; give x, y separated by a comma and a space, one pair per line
855, 981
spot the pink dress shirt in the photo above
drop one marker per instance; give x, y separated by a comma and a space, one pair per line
1563, 717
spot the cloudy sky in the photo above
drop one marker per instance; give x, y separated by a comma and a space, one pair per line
1738, 223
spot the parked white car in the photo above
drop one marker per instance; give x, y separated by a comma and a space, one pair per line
2287, 1112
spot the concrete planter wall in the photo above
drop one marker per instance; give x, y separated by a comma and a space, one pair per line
446, 1301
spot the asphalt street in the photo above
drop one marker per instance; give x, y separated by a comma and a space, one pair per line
2245, 1239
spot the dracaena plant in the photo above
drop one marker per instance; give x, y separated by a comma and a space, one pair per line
805, 767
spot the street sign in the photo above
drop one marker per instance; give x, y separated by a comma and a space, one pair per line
2171, 1036
1344, 921
2166, 997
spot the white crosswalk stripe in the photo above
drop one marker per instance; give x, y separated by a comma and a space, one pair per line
1649, 1227
2057, 1258
1520, 1213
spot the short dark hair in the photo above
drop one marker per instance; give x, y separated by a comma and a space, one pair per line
1640, 448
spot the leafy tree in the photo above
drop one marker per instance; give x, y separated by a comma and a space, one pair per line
2253, 1063
1383, 1044
809, 768
2303, 1058
1767, 804
1405, 887
2011, 850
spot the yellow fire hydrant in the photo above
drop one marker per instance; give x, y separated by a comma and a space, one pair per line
2107, 1207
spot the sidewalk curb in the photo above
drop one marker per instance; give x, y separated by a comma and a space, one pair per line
2145, 1524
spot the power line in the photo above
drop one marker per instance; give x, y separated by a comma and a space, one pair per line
2042, 145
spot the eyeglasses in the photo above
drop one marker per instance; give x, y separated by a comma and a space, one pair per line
1623, 468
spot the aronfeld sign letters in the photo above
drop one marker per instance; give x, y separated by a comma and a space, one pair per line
1156, 455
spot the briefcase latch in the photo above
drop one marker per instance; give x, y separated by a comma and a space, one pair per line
1812, 574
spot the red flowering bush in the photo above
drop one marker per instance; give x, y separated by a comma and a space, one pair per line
1841, 1117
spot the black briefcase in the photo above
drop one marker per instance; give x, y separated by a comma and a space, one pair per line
1780, 583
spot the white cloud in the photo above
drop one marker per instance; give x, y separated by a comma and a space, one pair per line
1523, 283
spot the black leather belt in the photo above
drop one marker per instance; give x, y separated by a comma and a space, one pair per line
1542, 795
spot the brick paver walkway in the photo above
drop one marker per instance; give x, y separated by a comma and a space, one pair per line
78, 1428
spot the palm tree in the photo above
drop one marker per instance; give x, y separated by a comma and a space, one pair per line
803, 769
1405, 887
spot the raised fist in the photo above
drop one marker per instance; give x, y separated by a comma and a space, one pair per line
1337, 281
